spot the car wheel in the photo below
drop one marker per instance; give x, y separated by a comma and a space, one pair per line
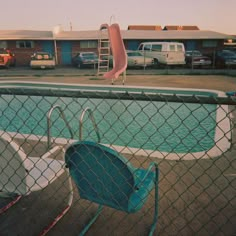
189, 65
13, 64
7, 65
156, 63
218, 65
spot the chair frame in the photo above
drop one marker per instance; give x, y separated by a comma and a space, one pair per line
152, 166
17, 152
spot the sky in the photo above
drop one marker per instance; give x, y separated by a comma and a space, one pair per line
215, 15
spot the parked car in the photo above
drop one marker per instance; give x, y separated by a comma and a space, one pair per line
136, 59
233, 49
7, 58
42, 60
196, 59
164, 53
225, 58
231, 93
83, 59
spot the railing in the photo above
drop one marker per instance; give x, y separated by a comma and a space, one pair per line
91, 116
62, 115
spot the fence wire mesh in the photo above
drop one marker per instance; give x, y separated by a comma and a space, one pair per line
192, 138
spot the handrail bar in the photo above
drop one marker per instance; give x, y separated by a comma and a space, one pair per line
49, 123
87, 109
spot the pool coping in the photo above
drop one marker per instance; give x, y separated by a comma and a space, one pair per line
12, 82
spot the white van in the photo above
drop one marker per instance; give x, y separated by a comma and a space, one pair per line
166, 53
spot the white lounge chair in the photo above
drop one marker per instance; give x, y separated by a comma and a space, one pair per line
20, 174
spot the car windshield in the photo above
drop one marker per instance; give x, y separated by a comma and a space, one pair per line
134, 54
228, 54
89, 55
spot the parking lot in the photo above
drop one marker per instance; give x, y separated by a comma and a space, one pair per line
73, 71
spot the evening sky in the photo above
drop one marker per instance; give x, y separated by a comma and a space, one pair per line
215, 15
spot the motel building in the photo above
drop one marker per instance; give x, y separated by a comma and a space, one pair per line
65, 44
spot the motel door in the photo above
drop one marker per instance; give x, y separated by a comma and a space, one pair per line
133, 45
190, 45
66, 52
48, 46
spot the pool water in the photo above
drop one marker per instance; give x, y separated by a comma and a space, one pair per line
161, 126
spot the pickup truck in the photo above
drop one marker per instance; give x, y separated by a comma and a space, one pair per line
7, 58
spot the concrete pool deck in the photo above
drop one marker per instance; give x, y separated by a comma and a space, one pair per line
192, 194
187, 206
215, 82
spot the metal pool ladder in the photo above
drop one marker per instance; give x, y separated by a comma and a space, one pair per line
93, 121
49, 122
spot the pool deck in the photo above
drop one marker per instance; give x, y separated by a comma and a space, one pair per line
189, 213
215, 82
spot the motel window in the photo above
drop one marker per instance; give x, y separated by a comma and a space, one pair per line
89, 44
25, 44
209, 43
3, 44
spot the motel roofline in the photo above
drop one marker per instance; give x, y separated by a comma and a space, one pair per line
174, 34
25, 35
126, 35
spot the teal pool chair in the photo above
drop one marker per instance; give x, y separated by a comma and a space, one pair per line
105, 177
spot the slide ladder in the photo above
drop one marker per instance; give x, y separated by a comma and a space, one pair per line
103, 50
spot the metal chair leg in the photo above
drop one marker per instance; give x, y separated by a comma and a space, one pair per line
13, 202
153, 227
86, 228
64, 211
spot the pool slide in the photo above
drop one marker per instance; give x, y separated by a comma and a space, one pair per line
118, 52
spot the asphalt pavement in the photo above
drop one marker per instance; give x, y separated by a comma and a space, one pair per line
73, 71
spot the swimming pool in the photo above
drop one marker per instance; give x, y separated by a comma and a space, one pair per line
158, 128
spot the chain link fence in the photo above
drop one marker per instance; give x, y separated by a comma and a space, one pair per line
191, 137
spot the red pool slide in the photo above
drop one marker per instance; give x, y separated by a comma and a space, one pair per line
118, 52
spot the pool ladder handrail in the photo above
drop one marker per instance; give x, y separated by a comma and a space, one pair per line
49, 123
91, 116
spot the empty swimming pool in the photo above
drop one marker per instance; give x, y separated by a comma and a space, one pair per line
160, 128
